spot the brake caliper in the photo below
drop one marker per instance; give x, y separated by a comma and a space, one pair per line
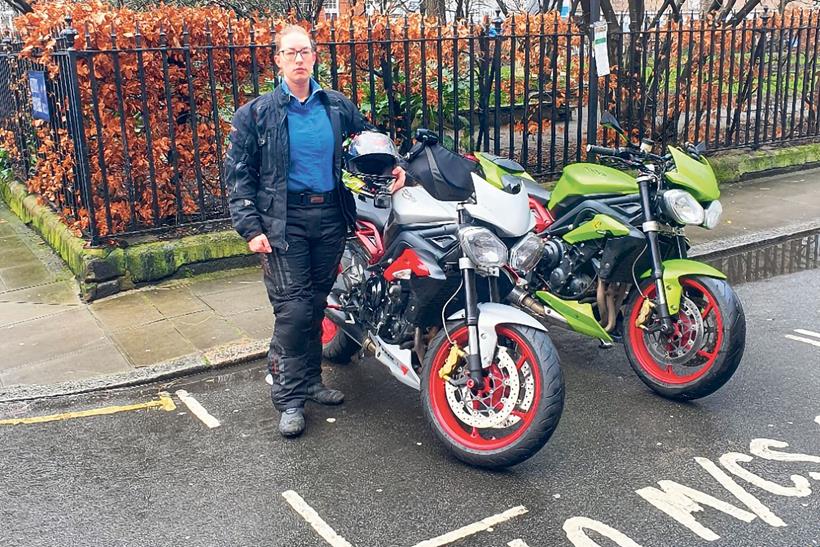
646, 309
450, 363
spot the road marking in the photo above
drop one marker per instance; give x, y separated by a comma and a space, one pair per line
517, 543
164, 403
804, 340
312, 517
805, 332
576, 528
473, 528
197, 409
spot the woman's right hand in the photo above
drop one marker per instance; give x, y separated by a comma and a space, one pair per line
260, 244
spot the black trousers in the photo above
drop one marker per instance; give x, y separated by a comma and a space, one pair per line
298, 282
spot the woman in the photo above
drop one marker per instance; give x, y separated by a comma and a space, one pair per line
287, 200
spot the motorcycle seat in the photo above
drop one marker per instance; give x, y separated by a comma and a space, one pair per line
537, 192
365, 210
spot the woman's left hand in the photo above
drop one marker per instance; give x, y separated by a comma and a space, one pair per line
401, 177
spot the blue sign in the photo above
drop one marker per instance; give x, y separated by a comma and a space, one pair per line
39, 96
564, 11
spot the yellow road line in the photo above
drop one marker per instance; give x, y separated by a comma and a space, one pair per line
164, 403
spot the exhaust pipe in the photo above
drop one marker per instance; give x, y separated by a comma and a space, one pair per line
519, 297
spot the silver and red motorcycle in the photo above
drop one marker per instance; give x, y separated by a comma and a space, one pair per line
419, 288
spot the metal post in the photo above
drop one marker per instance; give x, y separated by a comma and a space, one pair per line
82, 169
592, 115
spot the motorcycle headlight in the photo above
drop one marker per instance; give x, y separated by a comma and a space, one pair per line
712, 215
483, 247
526, 253
682, 207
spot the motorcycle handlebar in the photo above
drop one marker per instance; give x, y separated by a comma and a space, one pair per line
602, 150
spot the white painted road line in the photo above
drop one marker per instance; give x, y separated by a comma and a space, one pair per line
197, 409
805, 332
473, 528
804, 340
312, 517
517, 543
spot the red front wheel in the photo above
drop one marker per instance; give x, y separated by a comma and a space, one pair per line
513, 416
704, 350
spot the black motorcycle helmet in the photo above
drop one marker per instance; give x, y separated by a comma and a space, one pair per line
371, 153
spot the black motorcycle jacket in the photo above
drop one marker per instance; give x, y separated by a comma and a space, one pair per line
258, 159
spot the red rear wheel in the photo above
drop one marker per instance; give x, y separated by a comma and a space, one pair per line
337, 347
703, 351
329, 330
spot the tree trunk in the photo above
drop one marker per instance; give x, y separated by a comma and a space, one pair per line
434, 8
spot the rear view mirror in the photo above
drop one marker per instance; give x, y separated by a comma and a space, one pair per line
611, 122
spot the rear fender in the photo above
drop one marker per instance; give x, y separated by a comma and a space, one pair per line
490, 315
676, 268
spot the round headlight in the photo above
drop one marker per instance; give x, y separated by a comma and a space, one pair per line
483, 247
682, 207
526, 253
712, 216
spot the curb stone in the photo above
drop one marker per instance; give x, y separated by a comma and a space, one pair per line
212, 359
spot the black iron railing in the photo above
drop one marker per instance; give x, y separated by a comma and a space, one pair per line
137, 129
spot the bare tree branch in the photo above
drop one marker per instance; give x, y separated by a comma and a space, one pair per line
19, 6
747, 8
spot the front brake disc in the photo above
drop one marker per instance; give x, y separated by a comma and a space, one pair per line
461, 398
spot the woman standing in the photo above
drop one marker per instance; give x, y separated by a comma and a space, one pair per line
284, 167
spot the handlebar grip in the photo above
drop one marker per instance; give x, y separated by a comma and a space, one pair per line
602, 150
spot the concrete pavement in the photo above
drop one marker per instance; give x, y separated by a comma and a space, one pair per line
52, 343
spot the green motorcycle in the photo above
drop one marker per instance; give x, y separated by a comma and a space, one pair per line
614, 264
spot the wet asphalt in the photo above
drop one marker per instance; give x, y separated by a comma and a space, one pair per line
377, 477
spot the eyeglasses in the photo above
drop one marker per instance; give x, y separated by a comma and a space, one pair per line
290, 54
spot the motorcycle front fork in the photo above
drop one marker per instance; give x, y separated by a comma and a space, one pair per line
476, 381
651, 227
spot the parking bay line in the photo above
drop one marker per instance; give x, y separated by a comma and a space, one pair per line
164, 403
197, 409
807, 332
473, 528
804, 340
312, 517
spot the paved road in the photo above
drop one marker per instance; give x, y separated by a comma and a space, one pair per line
374, 474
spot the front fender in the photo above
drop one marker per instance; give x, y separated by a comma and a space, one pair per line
676, 268
491, 314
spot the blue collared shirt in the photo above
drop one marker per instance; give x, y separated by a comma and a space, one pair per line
311, 143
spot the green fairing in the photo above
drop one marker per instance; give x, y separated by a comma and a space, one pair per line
597, 227
696, 176
581, 179
493, 172
676, 268
579, 316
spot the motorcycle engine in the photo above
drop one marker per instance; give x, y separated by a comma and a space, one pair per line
379, 304
561, 268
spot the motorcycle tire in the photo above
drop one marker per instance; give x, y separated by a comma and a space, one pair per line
721, 340
337, 347
534, 416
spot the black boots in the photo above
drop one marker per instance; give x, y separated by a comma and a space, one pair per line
292, 422
318, 393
